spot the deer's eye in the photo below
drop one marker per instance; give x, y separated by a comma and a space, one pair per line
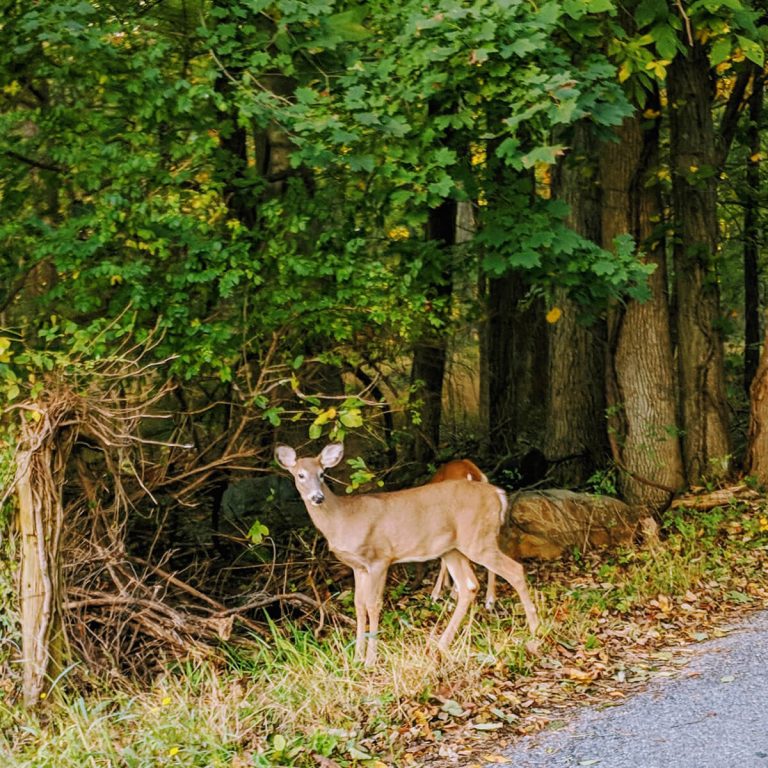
302, 475
321, 476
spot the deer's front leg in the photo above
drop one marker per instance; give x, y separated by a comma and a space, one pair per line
377, 580
361, 601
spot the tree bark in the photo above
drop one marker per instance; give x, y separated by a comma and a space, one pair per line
705, 417
752, 235
640, 373
38, 484
757, 441
430, 352
575, 435
514, 346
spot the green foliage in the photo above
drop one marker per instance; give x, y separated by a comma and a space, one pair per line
137, 197
661, 30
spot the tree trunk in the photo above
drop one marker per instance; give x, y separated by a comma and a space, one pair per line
757, 442
430, 352
514, 351
700, 347
752, 235
640, 376
575, 434
38, 484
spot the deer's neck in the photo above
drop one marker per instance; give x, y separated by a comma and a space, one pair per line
330, 517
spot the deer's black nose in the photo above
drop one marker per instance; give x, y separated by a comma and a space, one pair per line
317, 497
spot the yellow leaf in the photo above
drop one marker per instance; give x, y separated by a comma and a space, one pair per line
664, 603
579, 676
694, 168
399, 233
325, 417
35, 416
477, 154
624, 72
115, 279
651, 114
756, 158
554, 314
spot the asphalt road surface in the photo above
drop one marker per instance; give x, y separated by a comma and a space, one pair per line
713, 714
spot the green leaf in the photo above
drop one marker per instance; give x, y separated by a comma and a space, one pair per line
752, 50
666, 41
720, 51
649, 11
547, 155
257, 532
351, 418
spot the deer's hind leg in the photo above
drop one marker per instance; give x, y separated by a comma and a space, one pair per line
497, 562
466, 586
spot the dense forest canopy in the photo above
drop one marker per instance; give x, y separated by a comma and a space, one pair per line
298, 217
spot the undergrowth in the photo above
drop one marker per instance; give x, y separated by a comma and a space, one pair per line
298, 700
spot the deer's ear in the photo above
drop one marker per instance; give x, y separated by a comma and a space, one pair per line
285, 456
331, 455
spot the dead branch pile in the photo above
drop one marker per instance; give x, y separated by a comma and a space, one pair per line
126, 614
102, 469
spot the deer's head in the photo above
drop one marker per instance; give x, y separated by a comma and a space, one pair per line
308, 473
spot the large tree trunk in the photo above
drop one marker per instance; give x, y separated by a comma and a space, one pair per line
575, 430
700, 347
575, 435
757, 443
640, 380
514, 352
752, 234
430, 352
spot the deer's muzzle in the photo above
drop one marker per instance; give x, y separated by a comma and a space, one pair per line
317, 497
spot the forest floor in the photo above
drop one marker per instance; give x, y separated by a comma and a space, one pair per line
612, 622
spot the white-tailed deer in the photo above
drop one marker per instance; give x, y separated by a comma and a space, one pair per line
461, 469
456, 520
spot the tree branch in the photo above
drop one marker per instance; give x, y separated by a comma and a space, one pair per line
733, 109
41, 164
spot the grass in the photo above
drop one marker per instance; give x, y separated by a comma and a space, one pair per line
298, 701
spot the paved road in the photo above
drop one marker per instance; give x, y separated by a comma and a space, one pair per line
714, 714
